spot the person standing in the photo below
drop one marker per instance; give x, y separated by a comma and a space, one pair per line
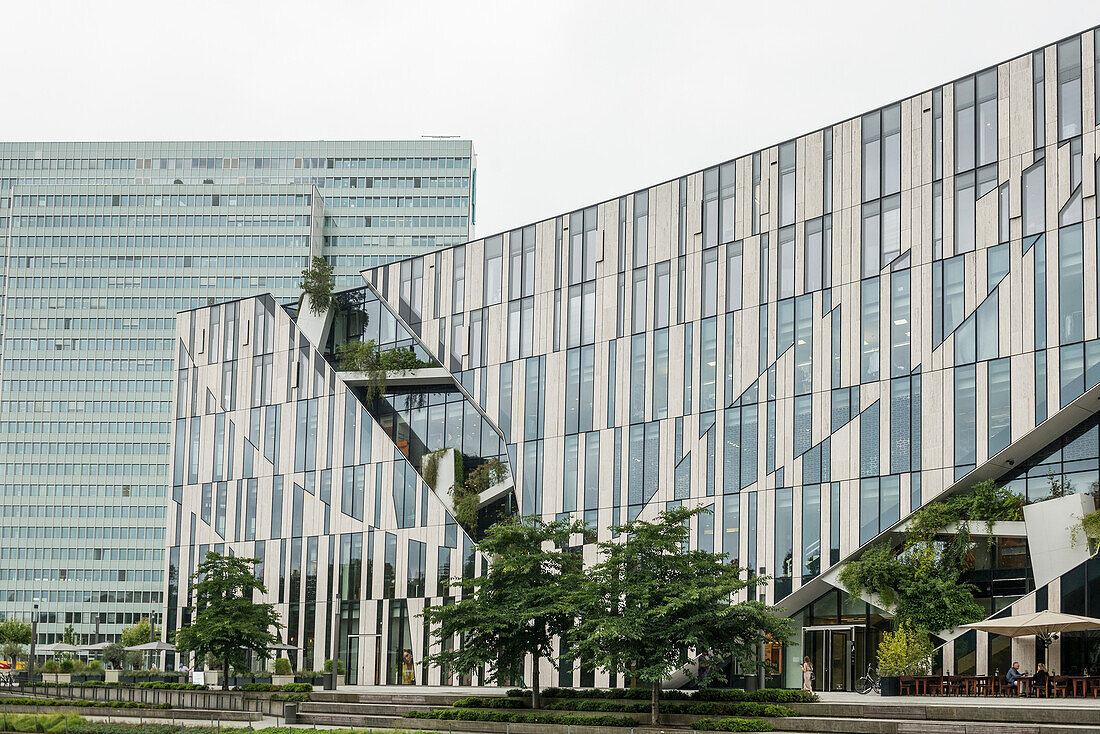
807, 674
408, 670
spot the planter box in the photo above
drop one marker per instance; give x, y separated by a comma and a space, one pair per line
307, 679
110, 676
282, 680
890, 685
60, 678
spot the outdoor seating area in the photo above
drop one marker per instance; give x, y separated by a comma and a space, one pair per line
1052, 686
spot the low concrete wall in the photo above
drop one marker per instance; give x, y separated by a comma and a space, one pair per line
204, 700
130, 713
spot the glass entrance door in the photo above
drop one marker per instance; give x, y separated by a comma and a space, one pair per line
832, 651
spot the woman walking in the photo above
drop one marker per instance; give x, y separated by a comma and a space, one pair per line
807, 674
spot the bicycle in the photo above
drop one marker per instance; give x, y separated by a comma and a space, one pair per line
869, 682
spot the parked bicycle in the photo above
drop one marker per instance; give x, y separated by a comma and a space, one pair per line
870, 681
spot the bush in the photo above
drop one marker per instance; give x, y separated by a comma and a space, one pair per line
732, 725
282, 667
339, 667
521, 717
259, 687
66, 666
49, 702
95, 666
516, 692
742, 708
584, 704
298, 687
729, 695
290, 697
907, 651
492, 702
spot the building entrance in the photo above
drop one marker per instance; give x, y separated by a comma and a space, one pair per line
836, 652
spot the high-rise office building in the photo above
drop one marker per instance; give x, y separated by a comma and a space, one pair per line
813, 341
103, 244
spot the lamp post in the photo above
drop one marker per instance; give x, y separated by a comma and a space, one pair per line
335, 642
34, 636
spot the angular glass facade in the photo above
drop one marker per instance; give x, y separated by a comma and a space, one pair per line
103, 244
813, 340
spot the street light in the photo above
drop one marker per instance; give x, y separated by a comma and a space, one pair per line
34, 636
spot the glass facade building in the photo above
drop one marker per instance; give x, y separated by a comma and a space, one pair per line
104, 243
811, 340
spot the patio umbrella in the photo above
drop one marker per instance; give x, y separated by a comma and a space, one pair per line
1044, 625
157, 646
97, 646
57, 647
282, 646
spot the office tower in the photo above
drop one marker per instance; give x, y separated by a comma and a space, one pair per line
103, 244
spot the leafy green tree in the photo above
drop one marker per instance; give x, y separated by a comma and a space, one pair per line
12, 630
318, 283
69, 635
906, 651
11, 651
518, 607
650, 597
114, 655
137, 633
227, 622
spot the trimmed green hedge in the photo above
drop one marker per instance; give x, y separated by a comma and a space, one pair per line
732, 725
160, 685
4, 701
490, 702
520, 717
588, 704
726, 695
704, 708
741, 708
298, 688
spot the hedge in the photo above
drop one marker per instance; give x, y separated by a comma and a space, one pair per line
5, 701
490, 702
159, 685
520, 717
732, 725
585, 704
708, 708
727, 695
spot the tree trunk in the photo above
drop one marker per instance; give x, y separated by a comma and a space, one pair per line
655, 703
225, 674
536, 694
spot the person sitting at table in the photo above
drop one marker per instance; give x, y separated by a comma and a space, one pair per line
1013, 678
1039, 680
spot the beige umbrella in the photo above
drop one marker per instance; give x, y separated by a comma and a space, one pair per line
1044, 625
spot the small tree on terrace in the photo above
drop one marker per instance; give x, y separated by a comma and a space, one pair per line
518, 607
318, 284
227, 622
650, 597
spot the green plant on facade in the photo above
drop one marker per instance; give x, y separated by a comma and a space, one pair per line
366, 357
905, 651
465, 495
1087, 527
923, 580
429, 467
318, 285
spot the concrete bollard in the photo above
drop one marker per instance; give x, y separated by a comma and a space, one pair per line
290, 713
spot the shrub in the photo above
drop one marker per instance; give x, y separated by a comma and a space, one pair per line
741, 708
907, 651
516, 692
298, 687
732, 725
521, 717
339, 667
492, 702
259, 687
95, 665
66, 666
50, 702
282, 667
585, 704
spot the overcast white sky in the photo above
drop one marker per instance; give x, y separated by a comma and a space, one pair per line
568, 102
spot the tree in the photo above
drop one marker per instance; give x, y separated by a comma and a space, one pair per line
14, 631
359, 356
317, 283
11, 651
137, 633
906, 651
650, 597
69, 635
114, 655
518, 607
227, 622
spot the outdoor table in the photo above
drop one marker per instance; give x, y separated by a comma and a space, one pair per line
1059, 685
1078, 683
976, 685
1024, 688
924, 682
